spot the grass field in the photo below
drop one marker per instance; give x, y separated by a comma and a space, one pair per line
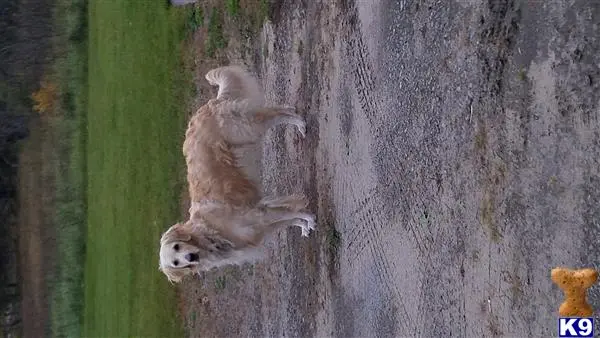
136, 116
124, 87
69, 72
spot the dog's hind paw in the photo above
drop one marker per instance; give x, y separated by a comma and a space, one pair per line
301, 128
305, 232
296, 120
309, 226
305, 225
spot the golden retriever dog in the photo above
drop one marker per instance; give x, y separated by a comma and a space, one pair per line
228, 217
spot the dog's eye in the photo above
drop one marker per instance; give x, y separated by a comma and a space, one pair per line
176, 247
176, 263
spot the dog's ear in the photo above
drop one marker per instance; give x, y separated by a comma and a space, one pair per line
219, 244
176, 233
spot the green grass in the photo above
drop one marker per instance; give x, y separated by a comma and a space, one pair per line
195, 18
69, 72
232, 7
216, 39
334, 239
220, 282
263, 10
137, 89
122, 112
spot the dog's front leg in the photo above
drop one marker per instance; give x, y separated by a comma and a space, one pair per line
251, 223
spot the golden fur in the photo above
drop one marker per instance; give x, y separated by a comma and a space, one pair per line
228, 216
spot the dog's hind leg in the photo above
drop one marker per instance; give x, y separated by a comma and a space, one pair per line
241, 126
291, 202
277, 212
270, 117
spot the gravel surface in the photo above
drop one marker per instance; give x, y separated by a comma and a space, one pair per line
452, 159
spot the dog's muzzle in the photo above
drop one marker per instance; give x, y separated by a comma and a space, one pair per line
192, 257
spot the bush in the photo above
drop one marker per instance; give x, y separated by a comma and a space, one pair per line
45, 98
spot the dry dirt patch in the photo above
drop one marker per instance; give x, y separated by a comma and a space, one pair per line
454, 158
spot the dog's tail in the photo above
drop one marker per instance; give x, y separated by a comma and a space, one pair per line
236, 84
293, 203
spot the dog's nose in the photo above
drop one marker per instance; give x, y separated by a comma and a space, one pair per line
192, 257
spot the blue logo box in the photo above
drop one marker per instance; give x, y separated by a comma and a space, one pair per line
575, 327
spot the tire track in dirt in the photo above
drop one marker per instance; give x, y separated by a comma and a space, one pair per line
352, 246
365, 84
365, 234
405, 153
362, 72
369, 216
365, 213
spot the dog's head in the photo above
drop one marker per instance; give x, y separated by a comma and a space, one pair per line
184, 251
179, 254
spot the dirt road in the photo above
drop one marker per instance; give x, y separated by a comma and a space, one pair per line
452, 157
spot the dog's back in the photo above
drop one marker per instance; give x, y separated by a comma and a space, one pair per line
213, 170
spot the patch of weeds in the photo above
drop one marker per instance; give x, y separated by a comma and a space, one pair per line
522, 75
192, 317
258, 14
499, 173
195, 19
481, 139
232, 7
300, 48
215, 39
263, 10
516, 288
246, 32
265, 51
494, 326
220, 282
425, 218
487, 210
334, 240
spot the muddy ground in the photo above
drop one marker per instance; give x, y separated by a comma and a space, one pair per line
452, 158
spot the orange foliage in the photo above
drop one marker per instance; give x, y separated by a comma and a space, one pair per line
45, 98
